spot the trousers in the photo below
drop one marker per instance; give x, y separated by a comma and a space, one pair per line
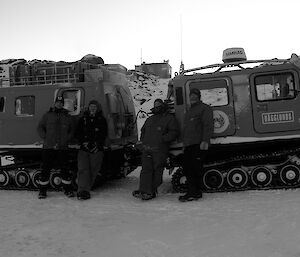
153, 165
193, 159
55, 159
89, 164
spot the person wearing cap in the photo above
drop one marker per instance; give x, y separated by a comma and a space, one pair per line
197, 131
158, 131
91, 133
56, 128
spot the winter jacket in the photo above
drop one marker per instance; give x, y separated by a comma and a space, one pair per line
93, 131
158, 131
56, 128
198, 124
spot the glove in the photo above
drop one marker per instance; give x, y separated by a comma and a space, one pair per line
85, 146
204, 146
139, 145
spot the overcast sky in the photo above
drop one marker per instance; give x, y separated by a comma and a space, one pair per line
128, 31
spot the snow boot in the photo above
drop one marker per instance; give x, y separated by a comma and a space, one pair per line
137, 193
190, 197
83, 195
146, 196
42, 194
68, 190
69, 193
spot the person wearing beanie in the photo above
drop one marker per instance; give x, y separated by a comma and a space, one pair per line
197, 93
197, 131
56, 128
91, 133
158, 131
60, 99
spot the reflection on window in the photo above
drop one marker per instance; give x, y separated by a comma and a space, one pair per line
213, 92
72, 101
113, 104
275, 86
114, 110
214, 96
25, 106
120, 115
2, 102
170, 93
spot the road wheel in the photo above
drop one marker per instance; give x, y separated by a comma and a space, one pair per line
179, 181
261, 176
22, 178
35, 177
213, 179
237, 178
290, 175
55, 180
4, 178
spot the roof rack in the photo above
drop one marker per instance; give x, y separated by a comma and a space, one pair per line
238, 64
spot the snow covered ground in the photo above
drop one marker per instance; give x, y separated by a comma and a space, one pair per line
114, 224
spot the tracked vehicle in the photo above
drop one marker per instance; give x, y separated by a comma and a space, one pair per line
28, 90
256, 106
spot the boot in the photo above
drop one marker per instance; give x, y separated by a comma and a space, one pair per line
190, 197
42, 194
68, 191
137, 193
83, 195
146, 196
69, 194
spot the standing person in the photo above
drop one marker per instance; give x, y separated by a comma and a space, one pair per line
91, 133
198, 129
56, 128
157, 133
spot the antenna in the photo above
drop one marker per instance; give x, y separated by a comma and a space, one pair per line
181, 69
141, 55
181, 38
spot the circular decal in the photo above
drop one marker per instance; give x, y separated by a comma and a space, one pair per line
221, 121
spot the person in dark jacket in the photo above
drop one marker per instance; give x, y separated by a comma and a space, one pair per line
198, 129
158, 131
91, 133
56, 128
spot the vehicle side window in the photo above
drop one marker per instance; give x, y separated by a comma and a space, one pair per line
113, 103
115, 111
2, 104
25, 105
72, 100
214, 96
179, 96
213, 92
275, 86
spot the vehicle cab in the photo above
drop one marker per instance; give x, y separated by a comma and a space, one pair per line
251, 100
256, 111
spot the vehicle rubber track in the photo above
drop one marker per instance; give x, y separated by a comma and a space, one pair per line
267, 170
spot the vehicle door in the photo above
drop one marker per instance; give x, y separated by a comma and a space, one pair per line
121, 112
275, 101
21, 110
218, 93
